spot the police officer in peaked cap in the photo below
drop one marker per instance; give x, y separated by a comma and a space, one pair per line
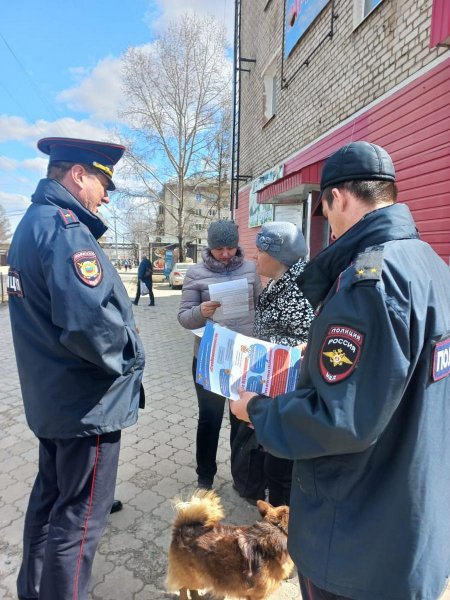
80, 363
368, 427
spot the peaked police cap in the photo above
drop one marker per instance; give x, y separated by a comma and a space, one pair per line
99, 155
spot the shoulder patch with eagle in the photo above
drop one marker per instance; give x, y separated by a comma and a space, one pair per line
340, 353
88, 267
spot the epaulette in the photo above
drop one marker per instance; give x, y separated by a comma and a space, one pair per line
68, 217
368, 264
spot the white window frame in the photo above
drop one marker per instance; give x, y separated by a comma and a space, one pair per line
269, 77
359, 11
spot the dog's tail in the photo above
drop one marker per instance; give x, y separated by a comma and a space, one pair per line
203, 508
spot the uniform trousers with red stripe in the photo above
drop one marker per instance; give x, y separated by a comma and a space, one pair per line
67, 512
312, 592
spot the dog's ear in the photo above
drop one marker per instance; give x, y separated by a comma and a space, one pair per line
282, 515
263, 507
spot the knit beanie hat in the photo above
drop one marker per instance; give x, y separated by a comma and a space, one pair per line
283, 241
223, 234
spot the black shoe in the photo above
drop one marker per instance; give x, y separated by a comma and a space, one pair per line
204, 484
152, 304
116, 506
135, 303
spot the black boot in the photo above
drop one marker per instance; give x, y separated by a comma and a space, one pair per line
116, 506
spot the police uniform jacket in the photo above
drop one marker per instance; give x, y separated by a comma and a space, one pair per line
369, 425
79, 357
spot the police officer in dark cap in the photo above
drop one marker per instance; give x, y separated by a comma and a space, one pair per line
80, 363
369, 425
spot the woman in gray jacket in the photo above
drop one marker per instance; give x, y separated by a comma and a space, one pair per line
223, 260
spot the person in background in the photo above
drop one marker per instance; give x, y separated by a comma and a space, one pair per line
283, 316
369, 425
80, 363
223, 260
145, 275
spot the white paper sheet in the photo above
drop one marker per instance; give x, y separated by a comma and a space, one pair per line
198, 332
233, 298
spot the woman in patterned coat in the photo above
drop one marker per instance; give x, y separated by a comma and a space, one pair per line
283, 316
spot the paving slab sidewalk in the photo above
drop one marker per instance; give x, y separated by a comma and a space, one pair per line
156, 464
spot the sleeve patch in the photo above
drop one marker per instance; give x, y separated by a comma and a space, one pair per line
88, 267
441, 359
340, 353
14, 286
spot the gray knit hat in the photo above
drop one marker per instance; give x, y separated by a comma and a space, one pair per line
223, 233
283, 241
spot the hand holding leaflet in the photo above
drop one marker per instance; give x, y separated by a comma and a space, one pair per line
208, 308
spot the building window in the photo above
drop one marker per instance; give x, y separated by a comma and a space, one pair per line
362, 9
198, 227
270, 91
212, 212
198, 212
369, 5
198, 197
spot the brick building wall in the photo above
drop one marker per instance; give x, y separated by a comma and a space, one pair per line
345, 74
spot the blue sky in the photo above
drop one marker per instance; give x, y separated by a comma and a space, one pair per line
60, 75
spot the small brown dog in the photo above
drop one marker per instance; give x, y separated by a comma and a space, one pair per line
248, 561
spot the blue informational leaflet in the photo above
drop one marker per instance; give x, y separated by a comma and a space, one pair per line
228, 361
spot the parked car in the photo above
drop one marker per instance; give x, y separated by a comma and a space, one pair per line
176, 275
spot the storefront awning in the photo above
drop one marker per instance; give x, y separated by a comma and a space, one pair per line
293, 187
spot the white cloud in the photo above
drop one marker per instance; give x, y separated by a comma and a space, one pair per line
36, 164
15, 206
8, 164
13, 128
99, 93
19, 130
13, 202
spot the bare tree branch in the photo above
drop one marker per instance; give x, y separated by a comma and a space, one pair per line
5, 226
177, 90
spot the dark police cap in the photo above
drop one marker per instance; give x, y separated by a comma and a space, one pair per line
360, 161
100, 155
